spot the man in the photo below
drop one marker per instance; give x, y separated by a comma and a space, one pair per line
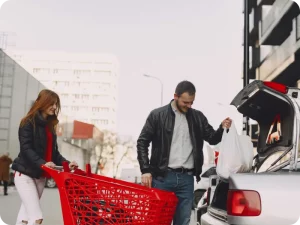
5, 162
176, 132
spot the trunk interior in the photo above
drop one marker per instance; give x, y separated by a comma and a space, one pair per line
263, 104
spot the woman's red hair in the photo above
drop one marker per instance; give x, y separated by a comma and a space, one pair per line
45, 99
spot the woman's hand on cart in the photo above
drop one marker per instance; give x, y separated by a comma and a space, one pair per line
50, 165
73, 165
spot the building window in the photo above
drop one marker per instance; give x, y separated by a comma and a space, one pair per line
94, 121
102, 73
95, 109
76, 84
76, 96
85, 97
41, 70
104, 109
102, 122
85, 72
77, 72
100, 97
100, 109
36, 70
64, 95
75, 108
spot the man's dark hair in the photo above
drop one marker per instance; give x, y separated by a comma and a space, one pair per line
185, 86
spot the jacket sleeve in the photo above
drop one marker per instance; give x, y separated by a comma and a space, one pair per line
26, 145
58, 159
213, 137
143, 143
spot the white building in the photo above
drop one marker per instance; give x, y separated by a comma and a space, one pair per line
87, 83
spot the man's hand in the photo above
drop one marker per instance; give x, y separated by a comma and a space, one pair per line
73, 165
50, 165
226, 123
147, 179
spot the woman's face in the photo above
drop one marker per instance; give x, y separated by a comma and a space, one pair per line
51, 110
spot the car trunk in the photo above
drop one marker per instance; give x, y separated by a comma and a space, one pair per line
261, 103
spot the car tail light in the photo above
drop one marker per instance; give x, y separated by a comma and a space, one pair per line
277, 87
243, 203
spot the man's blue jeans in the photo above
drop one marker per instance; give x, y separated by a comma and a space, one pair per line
182, 184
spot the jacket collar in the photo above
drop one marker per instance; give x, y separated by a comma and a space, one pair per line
170, 107
172, 111
40, 120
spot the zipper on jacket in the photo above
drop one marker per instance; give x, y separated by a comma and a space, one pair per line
172, 131
193, 140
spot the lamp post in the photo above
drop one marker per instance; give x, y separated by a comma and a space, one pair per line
162, 87
246, 58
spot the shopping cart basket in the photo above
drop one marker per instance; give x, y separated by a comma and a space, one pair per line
90, 199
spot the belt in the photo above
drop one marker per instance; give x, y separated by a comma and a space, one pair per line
180, 170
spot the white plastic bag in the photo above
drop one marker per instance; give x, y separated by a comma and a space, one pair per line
236, 153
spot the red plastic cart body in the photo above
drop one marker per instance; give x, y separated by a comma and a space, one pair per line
90, 199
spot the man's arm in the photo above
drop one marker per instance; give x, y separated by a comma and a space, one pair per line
213, 137
143, 143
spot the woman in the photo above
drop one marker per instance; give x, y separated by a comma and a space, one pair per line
38, 147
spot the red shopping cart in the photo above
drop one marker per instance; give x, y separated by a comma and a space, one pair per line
90, 199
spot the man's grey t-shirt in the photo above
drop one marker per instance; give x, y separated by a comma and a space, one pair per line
181, 154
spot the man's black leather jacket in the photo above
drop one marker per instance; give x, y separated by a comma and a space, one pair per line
158, 129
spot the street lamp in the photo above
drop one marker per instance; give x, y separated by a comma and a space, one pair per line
162, 86
246, 58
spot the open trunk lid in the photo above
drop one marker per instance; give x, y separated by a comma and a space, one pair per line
264, 102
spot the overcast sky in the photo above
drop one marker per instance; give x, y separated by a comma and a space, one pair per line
197, 40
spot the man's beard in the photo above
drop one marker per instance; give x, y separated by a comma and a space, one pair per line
179, 108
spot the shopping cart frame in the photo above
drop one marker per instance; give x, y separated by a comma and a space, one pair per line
61, 174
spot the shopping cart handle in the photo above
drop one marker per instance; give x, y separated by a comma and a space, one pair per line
58, 167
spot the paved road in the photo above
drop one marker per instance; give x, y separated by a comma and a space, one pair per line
9, 207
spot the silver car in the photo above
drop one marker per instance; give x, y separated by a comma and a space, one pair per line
270, 194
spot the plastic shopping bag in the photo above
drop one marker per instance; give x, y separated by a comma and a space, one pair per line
236, 153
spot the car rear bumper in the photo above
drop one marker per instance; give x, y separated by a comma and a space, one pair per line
207, 219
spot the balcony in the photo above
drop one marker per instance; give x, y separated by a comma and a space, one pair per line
253, 28
283, 64
277, 25
265, 2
